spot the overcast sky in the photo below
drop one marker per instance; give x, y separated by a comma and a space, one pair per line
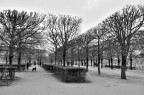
91, 11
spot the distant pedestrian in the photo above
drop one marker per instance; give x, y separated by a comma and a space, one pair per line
68, 63
27, 65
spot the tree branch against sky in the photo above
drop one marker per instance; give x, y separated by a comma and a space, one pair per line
92, 11
60, 30
99, 34
67, 28
122, 26
85, 41
18, 29
51, 33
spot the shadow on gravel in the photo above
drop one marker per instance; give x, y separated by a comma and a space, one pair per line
108, 76
60, 80
8, 82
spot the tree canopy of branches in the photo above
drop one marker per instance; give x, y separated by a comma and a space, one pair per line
52, 33
122, 26
99, 34
85, 40
18, 29
61, 29
68, 27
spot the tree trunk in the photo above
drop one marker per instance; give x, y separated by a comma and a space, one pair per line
64, 55
6, 56
72, 62
87, 58
99, 65
98, 56
55, 57
96, 62
91, 62
78, 57
19, 60
82, 62
111, 62
101, 62
40, 60
61, 62
29, 59
64, 59
123, 67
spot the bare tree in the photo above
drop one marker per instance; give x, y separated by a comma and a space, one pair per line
40, 54
67, 27
19, 28
116, 50
85, 40
99, 35
122, 26
51, 33
74, 46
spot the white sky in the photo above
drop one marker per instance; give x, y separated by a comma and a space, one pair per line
91, 11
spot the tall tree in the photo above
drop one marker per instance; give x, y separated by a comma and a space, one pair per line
67, 27
18, 28
99, 35
85, 40
122, 25
52, 35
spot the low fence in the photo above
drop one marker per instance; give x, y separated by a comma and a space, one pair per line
67, 74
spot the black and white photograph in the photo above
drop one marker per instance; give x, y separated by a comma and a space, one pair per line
71, 47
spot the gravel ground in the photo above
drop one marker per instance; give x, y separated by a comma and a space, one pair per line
43, 82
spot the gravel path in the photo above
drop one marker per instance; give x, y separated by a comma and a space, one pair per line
42, 82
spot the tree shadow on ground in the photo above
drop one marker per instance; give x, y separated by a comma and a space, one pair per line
8, 82
60, 80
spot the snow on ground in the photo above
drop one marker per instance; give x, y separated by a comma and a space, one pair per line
43, 82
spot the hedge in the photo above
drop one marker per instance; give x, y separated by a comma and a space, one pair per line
67, 74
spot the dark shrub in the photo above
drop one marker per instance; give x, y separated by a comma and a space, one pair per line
68, 74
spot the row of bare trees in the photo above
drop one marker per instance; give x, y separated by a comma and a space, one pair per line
122, 27
22, 30
59, 31
120, 32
